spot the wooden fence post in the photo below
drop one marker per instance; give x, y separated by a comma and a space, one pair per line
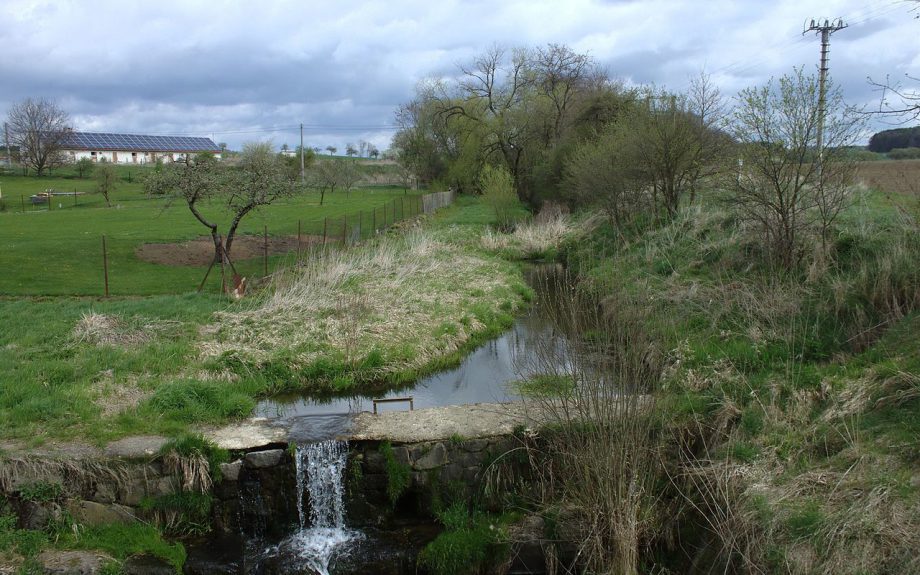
325, 224
105, 266
265, 249
344, 228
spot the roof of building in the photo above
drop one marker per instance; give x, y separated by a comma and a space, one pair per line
136, 143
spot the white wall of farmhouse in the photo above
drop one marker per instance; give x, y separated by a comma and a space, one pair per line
125, 157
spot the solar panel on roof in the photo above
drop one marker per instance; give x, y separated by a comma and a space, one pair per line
138, 142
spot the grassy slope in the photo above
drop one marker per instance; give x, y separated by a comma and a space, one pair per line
805, 388
59, 379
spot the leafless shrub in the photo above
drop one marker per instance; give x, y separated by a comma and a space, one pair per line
597, 456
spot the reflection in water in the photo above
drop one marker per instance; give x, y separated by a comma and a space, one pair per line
483, 376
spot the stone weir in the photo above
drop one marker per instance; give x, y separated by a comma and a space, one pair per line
256, 500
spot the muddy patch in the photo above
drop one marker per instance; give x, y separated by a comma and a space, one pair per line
200, 252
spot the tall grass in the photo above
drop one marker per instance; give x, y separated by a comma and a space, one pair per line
597, 455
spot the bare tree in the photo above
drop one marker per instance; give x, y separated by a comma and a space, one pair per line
259, 180
331, 174
906, 100
785, 185
39, 128
332, 150
350, 150
561, 73
106, 179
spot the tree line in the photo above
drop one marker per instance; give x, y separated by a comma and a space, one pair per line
566, 130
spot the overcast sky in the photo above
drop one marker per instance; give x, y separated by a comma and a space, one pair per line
241, 71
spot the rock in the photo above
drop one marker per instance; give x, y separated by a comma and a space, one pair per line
401, 455
72, 562
435, 457
263, 459
527, 544
475, 445
251, 434
231, 471
105, 493
37, 516
92, 513
141, 446
146, 564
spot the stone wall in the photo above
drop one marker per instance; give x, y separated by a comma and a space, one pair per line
435, 468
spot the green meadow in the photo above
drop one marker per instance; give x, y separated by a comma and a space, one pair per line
58, 251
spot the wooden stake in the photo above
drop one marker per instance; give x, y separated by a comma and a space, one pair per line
105, 266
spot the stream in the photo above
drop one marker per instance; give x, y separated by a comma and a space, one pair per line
483, 376
321, 542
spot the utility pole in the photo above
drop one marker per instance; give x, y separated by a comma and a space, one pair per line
6, 137
826, 29
301, 155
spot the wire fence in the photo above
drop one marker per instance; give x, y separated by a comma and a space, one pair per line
251, 255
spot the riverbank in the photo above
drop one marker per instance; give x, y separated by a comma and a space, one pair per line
363, 319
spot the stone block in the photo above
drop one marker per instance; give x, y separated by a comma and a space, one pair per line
263, 459
56, 562
146, 564
92, 513
144, 446
435, 457
231, 471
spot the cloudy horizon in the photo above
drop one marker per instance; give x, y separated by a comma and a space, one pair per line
237, 73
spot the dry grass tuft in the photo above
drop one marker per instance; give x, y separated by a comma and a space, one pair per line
407, 297
194, 471
107, 330
534, 239
114, 397
71, 473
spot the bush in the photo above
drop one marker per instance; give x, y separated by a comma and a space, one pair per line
498, 189
904, 154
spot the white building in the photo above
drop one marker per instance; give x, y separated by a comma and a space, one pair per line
133, 148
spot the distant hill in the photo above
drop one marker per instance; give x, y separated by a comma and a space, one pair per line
888, 140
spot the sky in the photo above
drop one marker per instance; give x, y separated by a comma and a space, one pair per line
240, 71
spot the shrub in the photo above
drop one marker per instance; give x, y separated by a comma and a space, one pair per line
498, 189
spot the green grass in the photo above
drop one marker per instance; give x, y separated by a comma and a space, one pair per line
98, 369
59, 252
805, 380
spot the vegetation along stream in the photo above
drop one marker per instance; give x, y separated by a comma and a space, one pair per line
486, 375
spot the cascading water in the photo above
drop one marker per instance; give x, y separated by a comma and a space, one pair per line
320, 469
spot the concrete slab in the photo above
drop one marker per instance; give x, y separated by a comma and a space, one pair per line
249, 434
440, 423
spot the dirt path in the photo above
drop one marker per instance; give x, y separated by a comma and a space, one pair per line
200, 251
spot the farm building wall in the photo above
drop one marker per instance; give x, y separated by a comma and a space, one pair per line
125, 156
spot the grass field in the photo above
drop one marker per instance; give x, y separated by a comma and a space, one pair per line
59, 251
892, 176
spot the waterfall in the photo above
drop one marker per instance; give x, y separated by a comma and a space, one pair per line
320, 469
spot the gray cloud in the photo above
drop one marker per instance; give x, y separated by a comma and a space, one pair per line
242, 71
